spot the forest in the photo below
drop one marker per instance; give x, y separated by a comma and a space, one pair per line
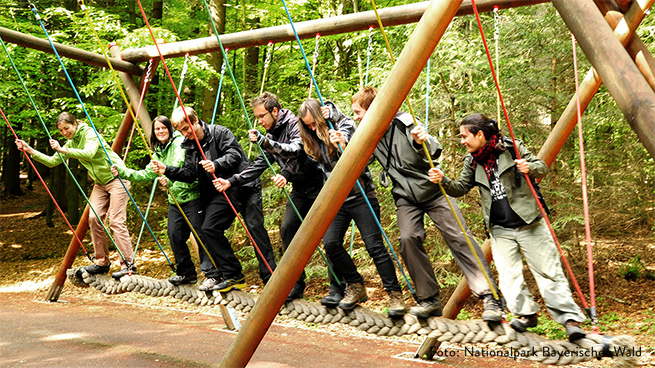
535, 70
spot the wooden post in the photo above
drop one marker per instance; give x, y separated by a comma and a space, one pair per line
455, 304
83, 225
401, 78
67, 51
619, 84
391, 16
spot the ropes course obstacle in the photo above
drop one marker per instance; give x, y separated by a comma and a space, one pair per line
525, 345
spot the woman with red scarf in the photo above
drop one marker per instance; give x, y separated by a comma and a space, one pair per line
513, 218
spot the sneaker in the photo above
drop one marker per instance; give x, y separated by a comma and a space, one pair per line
523, 322
574, 330
355, 294
396, 305
183, 279
124, 271
229, 284
94, 269
428, 307
333, 298
297, 292
209, 284
493, 310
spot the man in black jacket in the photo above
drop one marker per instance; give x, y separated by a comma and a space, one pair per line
281, 144
224, 157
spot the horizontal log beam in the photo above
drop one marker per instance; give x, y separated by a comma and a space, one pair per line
84, 56
391, 16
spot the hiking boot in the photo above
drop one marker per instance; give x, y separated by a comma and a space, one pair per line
333, 298
124, 271
355, 294
428, 307
209, 284
297, 292
574, 330
493, 310
523, 322
94, 269
396, 305
229, 284
183, 279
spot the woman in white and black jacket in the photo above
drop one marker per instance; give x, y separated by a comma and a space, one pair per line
321, 143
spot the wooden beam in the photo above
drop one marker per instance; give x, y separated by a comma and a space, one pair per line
84, 56
624, 30
402, 76
391, 16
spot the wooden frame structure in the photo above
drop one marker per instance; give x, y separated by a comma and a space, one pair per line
630, 82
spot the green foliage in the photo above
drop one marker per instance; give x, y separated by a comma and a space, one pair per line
632, 269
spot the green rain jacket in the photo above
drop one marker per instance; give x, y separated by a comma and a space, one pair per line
85, 147
170, 154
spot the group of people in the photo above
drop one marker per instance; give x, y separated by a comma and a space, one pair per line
206, 166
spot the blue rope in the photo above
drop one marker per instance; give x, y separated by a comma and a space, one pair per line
361, 189
100, 140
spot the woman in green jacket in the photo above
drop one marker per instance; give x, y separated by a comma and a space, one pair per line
512, 215
166, 147
108, 196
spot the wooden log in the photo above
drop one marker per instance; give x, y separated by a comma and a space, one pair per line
614, 66
84, 56
391, 16
401, 78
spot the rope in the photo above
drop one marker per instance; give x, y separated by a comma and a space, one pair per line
496, 40
48, 190
185, 67
518, 156
427, 93
515, 344
250, 125
45, 128
361, 189
143, 138
368, 53
314, 61
267, 62
585, 200
202, 153
100, 140
143, 93
429, 158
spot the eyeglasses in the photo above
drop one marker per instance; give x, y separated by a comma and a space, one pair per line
261, 116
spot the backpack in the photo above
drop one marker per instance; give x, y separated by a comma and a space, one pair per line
509, 145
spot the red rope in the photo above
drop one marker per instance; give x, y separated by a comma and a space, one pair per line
48, 190
583, 169
518, 156
195, 137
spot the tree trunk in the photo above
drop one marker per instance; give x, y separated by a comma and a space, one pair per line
158, 10
11, 169
58, 189
215, 59
73, 193
251, 68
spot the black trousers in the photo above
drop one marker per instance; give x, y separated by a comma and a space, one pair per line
179, 231
358, 210
253, 216
291, 223
217, 218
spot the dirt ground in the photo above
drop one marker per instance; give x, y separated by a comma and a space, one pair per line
31, 253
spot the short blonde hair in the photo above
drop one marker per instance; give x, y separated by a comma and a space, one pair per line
178, 116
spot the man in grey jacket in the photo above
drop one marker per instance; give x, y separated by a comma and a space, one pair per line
401, 155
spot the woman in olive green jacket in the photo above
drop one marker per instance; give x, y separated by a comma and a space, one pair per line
108, 196
166, 147
512, 215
